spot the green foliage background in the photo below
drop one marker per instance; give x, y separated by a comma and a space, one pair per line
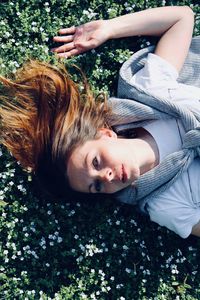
82, 250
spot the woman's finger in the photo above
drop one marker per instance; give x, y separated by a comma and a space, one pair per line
64, 48
74, 52
69, 30
63, 39
69, 53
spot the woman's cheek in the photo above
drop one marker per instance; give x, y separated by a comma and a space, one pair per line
111, 188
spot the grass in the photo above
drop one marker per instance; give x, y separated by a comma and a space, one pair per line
54, 249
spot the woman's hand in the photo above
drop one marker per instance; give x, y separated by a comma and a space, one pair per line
82, 38
174, 25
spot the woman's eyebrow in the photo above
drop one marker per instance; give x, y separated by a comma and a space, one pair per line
86, 161
86, 167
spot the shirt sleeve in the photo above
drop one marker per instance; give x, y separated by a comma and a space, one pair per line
178, 218
157, 76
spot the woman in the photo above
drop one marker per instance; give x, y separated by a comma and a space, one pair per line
86, 145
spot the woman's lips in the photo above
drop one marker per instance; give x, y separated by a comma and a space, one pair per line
124, 174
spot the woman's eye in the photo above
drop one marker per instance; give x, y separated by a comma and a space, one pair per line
98, 186
95, 162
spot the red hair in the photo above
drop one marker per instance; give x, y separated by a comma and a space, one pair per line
44, 116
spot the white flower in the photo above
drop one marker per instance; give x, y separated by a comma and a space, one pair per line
42, 242
125, 247
59, 240
79, 259
183, 259
119, 286
148, 272
93, 297
194, 272
92, 271
191, 248
128, 270
83, 296
20, 187
101, 272
82, 247
109, 221
6, 34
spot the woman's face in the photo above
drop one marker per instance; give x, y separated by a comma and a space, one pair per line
103, 165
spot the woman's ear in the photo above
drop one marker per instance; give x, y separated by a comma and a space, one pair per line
106, 132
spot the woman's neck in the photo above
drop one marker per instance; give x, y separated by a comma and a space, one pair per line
145, 150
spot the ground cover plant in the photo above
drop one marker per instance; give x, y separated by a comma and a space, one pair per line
54, 249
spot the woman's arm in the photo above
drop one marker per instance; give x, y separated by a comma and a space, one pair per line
173, 24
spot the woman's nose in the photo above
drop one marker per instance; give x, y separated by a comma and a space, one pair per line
107, 175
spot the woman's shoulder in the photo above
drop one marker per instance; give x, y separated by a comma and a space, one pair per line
156, 74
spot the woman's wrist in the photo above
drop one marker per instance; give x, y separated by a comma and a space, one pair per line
111, 28
107, 29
